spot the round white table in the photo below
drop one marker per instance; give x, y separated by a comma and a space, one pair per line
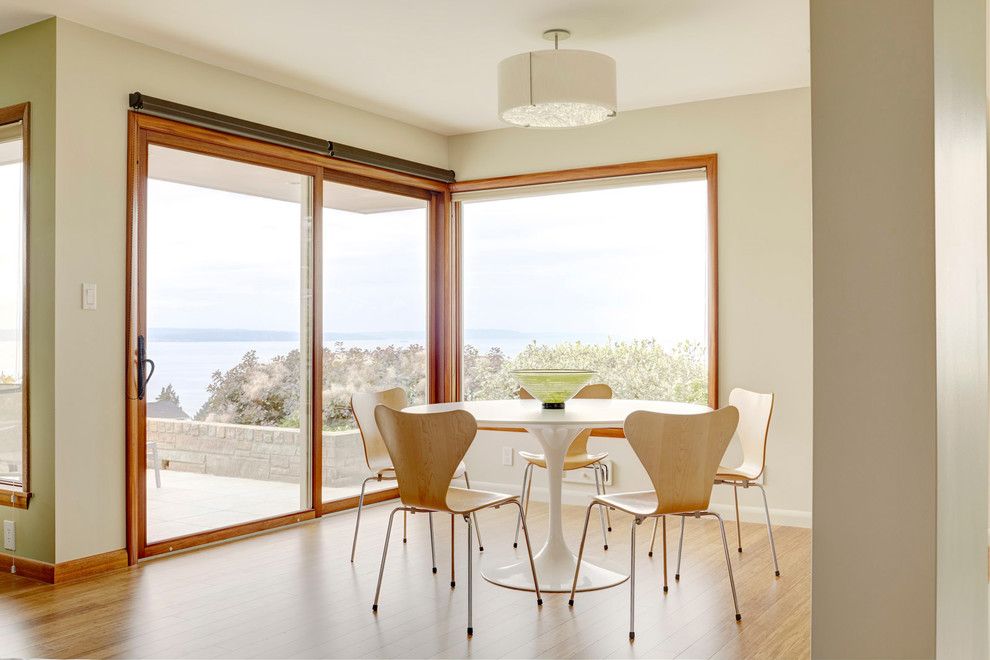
555, 430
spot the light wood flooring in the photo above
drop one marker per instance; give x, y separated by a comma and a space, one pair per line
293, 593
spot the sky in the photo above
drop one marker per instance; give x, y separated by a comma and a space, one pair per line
622, 262
11, 269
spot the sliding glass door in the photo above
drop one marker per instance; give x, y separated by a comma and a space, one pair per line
226, 339
374, 315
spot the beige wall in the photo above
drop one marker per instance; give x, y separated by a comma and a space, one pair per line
96, 71
900, 277
27, 60
763, 144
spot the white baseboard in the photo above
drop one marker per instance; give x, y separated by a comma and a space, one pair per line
749, 513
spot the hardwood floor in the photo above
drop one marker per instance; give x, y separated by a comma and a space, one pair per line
293, 593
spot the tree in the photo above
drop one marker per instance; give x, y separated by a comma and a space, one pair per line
269, 393
168, 393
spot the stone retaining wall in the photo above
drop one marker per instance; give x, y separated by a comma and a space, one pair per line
253, 452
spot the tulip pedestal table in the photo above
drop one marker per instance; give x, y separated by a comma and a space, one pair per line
555, 430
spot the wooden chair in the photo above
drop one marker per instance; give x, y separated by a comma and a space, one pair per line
380, 463
577, 458
755, 411
681, 454
426, 450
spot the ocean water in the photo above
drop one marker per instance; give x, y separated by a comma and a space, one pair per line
189, 365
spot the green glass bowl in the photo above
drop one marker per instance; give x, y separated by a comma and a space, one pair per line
553, 386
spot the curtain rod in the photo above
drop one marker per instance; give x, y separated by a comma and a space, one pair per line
207, 119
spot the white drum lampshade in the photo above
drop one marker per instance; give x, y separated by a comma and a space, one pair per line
556, 89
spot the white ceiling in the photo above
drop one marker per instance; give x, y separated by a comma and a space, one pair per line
432, 63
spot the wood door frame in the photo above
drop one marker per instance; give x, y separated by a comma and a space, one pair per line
144, 130
707, 162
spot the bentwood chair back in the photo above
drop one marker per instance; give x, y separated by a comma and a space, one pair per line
363, 406
681, 453
755, 410
426, 450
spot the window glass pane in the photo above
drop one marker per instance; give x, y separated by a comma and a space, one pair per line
12, 261
228, 253
374, 317
612, 279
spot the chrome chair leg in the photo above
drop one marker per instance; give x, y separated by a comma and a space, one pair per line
357, 523
452, 582
680, 548
773, 548
433, 545
529, 551
735, 496
470, 572
653, 539
404, 518
527, 475
608, 516
632, 579
728, 562
477, 527
381, 570
601, 510
577, 568
664, 524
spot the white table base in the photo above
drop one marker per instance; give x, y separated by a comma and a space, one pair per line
554, 561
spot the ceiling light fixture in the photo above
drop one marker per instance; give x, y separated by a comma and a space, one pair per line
556, 88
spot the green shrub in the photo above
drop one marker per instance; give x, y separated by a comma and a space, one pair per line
268, 393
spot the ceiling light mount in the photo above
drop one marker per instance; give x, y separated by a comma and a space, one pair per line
556, 35
556, 88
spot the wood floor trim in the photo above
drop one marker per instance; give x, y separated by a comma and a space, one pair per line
29, 568
66, 571
86, 567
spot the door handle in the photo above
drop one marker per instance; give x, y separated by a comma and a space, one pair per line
143, 376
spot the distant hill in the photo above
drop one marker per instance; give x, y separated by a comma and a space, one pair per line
237, 334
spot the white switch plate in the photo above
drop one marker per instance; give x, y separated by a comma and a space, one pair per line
88, 296
9, 541
507, 454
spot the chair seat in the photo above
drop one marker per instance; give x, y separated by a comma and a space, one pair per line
741, 473
640, 503
462, 500
389, 472
571, 462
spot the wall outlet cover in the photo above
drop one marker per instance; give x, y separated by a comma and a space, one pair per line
9, 538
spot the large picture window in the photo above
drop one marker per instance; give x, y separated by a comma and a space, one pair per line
611, 275
14, 488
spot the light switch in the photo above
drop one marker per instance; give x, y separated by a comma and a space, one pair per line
88, 296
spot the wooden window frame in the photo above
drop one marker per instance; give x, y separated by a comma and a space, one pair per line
444, 270
707, 162
18, 494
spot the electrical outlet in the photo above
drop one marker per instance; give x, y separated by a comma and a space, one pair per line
9, 540
507, 454
588, 476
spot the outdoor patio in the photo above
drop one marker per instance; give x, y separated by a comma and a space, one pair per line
188, 502
215, 475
